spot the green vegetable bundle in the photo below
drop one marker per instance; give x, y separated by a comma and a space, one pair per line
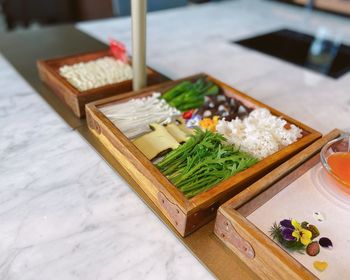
202, 162
187, 95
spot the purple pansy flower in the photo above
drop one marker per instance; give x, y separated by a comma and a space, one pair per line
287, 230
286, 224
287, 234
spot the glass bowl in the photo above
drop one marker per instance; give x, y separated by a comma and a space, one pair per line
338, 145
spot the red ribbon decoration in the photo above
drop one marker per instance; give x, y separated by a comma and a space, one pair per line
118, 50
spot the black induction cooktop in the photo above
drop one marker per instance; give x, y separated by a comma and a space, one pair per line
315, 53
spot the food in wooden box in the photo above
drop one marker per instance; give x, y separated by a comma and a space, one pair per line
213, 153
186, 214
96, 73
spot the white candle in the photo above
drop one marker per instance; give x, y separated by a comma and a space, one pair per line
138, 14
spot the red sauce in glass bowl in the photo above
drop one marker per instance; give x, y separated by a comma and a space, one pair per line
340, 166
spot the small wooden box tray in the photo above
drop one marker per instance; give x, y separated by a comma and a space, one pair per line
71, 96
243, 222
186, 215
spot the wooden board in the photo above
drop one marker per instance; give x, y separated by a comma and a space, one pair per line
186, 215
71, 96
243, 238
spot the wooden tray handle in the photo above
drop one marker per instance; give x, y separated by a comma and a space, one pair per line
176, 216
229, 235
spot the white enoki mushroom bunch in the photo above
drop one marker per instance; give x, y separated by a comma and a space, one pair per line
96, 73
260, 134
134, 116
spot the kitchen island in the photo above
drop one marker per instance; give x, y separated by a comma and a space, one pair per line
65, 214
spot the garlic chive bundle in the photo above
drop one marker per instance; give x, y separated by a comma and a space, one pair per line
134, 116
96, 73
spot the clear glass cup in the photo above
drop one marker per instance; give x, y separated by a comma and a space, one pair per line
339, 145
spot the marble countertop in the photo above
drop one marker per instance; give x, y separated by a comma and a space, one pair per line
65, 214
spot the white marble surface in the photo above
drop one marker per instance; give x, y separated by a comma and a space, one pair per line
63, 219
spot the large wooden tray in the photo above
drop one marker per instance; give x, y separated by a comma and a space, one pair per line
238, 225
186, 215
72, 97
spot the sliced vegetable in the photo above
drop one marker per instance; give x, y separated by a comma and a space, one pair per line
179, 135
154, 143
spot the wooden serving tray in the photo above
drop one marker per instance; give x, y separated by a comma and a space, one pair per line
239, 222
186, 215
71, 96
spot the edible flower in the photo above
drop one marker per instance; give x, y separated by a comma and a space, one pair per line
209, 124
193, 121
287, 230
296, 237
300, 233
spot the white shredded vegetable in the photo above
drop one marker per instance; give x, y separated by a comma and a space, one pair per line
96, 73
260, 134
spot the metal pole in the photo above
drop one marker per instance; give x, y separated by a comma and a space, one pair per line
138, 14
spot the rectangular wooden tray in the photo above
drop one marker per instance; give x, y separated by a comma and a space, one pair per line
186, 215
72, 97
267, 259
